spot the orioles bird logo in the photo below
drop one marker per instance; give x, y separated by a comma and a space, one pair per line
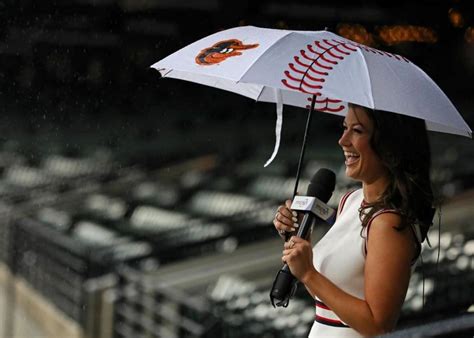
220, 51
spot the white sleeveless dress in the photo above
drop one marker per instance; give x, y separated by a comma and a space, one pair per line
340, 257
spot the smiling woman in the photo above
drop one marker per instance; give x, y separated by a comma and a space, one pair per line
359, 282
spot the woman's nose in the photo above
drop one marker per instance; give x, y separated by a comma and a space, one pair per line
344, 140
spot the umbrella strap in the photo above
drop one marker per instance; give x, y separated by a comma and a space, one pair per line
279, 123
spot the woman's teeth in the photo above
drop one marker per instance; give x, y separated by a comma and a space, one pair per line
351, 158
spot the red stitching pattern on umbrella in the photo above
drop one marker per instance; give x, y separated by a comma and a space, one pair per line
307, 73
380, 52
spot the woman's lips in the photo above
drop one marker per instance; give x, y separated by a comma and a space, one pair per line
351, 158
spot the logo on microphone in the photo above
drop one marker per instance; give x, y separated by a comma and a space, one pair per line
321, 210
301, 203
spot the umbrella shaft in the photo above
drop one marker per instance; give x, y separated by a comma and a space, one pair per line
303, 147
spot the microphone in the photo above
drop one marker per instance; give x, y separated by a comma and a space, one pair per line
313, 206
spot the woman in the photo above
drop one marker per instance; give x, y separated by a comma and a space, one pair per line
359, 271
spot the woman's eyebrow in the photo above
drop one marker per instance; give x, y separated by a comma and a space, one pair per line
353, 124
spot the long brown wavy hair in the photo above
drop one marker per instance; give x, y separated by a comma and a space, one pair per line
402, 144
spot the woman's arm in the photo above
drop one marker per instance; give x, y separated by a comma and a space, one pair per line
387, 273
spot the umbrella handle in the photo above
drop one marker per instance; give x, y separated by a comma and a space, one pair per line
303, 146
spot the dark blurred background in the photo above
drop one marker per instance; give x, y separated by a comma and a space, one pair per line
79, 67
119, 189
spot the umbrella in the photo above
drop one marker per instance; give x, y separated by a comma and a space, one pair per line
318, 70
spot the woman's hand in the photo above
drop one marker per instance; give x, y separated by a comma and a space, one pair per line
285, 219
298, 254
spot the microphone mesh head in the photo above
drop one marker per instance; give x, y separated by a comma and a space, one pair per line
322, 184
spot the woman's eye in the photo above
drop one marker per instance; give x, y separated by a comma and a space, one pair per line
357, 131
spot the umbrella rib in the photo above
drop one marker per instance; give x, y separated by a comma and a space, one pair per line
368, 77
260, 94
251, 65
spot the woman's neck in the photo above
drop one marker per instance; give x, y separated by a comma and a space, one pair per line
375, 189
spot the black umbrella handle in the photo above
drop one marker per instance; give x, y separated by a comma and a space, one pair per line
303, 147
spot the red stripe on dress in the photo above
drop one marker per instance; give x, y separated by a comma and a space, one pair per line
326, 320
380, 212
330, 322
343, 201
322, 305
335, 321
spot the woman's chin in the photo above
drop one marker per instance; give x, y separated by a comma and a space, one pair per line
351, 172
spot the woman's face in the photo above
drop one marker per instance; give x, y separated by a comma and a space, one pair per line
362, 163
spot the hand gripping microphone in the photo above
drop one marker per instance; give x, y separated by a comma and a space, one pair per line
313, 206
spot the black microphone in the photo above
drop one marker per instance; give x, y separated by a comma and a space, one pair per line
313, 206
